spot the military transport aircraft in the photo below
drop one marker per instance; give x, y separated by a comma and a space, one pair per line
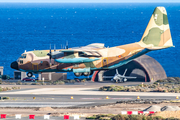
84, 60
119, 78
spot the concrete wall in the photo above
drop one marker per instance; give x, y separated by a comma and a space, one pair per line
53, 76
1, 70
19, 75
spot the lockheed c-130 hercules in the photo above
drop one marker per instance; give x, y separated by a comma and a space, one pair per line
84, 60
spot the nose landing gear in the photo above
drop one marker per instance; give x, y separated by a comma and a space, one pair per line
29, 74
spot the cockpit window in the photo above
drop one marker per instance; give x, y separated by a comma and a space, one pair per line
23, 56
21, 62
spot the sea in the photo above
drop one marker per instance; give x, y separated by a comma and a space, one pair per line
36, 26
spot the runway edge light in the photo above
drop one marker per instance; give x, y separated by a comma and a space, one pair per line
107, 97
138, 97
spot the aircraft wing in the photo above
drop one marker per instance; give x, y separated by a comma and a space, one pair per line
128, 77
85, 52
108, 76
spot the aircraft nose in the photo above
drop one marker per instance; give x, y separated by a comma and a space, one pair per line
14, 65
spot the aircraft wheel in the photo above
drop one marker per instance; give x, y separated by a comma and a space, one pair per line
124, 80
77, 74
29, 74
86, 73
115, 81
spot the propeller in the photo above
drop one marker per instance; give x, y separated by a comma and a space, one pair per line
50, 55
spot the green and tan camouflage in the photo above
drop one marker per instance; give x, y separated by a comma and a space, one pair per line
83, 60
157, 34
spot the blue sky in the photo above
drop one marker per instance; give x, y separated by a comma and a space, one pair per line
87, 1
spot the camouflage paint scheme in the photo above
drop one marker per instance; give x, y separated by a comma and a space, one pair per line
156, 36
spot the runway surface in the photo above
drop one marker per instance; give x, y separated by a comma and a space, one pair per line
84, 95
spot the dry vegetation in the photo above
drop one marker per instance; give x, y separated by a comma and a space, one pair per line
40, 82
128, 117
8, 88
171, 84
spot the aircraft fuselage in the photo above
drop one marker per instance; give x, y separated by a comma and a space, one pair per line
76, 61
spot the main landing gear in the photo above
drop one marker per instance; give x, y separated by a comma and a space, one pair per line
29, 74
85, 74
119, 80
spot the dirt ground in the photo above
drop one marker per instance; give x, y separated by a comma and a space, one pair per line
168, 114
111, 109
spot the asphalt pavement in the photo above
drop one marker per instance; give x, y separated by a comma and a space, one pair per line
74, 95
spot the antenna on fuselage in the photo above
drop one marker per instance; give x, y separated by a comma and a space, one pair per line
54, 47
66, 44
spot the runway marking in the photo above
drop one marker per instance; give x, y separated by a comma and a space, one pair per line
102, 98
120, 98
43, 104
91, 98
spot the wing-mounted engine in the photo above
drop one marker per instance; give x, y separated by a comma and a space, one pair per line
55, 54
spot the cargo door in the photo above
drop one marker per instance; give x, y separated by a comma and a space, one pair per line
35, 66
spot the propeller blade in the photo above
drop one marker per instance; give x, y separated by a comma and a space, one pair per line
50, 55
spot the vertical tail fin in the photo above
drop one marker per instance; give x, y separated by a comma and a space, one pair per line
157, 34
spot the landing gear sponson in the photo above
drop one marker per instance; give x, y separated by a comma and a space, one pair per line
30, 74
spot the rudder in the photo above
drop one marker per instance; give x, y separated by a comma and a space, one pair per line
157, 34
